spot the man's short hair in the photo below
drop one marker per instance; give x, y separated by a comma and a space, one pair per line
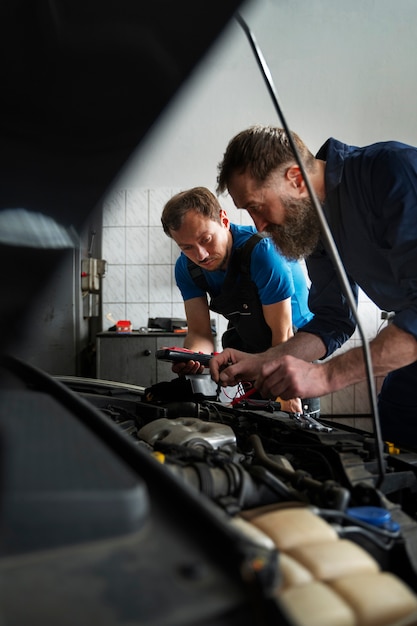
260, 150
198, 199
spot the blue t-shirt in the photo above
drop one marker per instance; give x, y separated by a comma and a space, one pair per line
276, 278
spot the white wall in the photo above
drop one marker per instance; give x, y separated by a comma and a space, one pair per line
346, 69
342, 69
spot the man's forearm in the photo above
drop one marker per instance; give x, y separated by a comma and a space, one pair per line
288, 370
304, 346
391, 349
199, 343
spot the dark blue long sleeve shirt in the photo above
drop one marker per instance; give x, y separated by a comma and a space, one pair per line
371, 208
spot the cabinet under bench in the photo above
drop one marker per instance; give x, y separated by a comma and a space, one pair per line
131, 357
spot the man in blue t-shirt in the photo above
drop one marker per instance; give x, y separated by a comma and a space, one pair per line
263, 295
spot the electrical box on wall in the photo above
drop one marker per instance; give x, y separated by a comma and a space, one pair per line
91, 272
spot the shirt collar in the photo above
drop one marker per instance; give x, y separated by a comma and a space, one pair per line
334, 153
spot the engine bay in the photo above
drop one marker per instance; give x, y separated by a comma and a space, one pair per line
251, 460
234, 513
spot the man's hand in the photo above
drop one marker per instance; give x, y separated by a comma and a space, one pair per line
289, 377
231, 367
286, 377
274, 373
189, 367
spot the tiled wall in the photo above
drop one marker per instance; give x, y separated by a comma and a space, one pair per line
139, 278
139, 281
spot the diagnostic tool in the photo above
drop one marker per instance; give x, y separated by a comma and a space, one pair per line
181, 355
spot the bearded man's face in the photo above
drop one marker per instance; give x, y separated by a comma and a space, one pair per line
298, 236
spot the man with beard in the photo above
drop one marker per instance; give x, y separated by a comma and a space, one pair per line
249, 282
369, 197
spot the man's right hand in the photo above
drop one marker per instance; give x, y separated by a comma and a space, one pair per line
231, 367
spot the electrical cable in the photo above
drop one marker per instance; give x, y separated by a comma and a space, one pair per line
332, 249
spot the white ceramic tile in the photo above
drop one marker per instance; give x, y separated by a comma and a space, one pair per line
178, 310
160, 283
217, 343
137, 207
368, 316
326, 404
176, 295
221, 327
137, 252
137, 287
160, 309
355, 343
114, 284
362, 398
364, 423
138, 314
339, 422
157, 200
114, 208
114, 245
343, 401
175, 252
159, 246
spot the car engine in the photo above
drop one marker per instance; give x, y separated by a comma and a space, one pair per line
167, 506
255, 463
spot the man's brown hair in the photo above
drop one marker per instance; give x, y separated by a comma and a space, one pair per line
199, 199
259, 150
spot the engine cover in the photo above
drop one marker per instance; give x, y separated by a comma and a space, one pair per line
188, 431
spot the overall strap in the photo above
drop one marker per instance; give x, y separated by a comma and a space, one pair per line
246, 252
240, 262
197, 275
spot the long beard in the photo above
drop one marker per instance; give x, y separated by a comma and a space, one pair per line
298, 237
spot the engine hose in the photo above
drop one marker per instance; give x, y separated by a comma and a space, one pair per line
329, 493
231, 486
